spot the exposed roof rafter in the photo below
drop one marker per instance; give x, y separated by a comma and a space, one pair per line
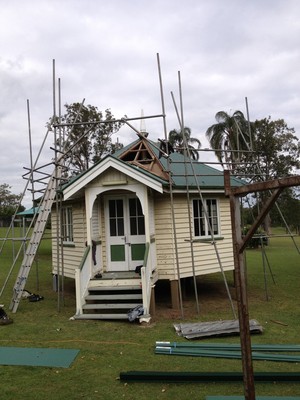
141, 155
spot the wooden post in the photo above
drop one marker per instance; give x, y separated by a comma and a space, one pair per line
239, 245
175, 294
242, 301
152, 301
241, 291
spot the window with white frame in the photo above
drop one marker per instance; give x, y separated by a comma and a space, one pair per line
204, 221
67, 224
136, 217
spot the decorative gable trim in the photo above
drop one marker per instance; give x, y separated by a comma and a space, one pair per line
109, 162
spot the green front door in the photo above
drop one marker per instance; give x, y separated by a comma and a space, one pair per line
125, 233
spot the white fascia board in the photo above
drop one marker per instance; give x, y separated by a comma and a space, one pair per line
108, 162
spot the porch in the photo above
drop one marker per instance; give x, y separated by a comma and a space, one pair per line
111, 295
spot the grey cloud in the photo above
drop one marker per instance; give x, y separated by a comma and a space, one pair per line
106, 52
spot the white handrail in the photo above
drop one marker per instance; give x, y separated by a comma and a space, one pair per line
82, 278
146, 281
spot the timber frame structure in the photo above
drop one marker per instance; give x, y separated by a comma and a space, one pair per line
239, 245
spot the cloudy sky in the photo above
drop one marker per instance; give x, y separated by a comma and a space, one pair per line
106, 53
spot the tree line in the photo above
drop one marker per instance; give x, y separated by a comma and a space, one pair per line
254, 151
9, 203
259, 151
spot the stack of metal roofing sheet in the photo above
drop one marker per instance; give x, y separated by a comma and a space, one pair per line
218, 350
233, 346
215, 328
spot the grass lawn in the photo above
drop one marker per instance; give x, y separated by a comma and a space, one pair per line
108, 348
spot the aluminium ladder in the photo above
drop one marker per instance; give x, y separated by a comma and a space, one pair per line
36, 237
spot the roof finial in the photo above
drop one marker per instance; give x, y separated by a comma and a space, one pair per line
143, 125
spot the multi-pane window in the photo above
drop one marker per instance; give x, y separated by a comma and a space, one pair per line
116, 217
205, 222
67, 224
137, 223
118, 210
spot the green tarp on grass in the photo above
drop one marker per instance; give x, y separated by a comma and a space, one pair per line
37, 357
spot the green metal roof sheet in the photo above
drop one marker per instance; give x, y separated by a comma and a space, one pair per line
183, 171
29, 212
194, 173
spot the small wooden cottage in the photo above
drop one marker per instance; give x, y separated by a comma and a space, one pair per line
130, 220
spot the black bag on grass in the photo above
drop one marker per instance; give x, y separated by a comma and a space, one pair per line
4, 318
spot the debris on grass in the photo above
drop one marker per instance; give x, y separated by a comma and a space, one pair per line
215, 328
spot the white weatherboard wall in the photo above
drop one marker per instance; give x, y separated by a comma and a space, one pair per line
161, 233
72, 253
205, 258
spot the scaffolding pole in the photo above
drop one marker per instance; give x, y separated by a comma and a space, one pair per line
206, 217
170, 188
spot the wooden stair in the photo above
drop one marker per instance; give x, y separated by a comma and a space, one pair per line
112, 296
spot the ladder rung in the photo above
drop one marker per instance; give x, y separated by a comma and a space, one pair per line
39, 228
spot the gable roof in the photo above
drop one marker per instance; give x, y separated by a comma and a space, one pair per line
78, 183
144, 161
183, 170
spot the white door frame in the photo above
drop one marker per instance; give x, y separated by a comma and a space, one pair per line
125, 248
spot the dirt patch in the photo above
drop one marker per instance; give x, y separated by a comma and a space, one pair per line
212, 299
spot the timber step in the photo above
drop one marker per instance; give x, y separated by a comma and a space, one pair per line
115, 287
105, 297
101, 316
111, 299
109, 306
117, 275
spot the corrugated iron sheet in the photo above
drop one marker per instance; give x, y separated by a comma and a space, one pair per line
215, 328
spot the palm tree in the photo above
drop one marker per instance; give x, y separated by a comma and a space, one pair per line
179, 141
229, 137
